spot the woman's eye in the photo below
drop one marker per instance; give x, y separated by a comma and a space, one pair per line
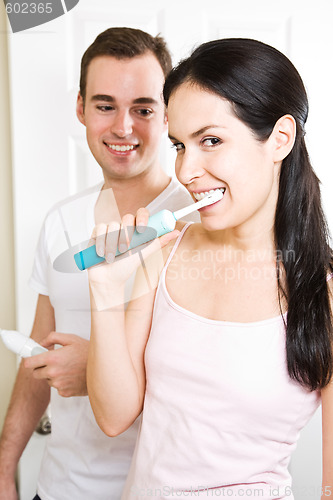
178, 146
211, 141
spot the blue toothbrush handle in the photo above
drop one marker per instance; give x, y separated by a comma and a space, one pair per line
158, 224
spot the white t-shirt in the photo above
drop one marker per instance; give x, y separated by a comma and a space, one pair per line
80, 462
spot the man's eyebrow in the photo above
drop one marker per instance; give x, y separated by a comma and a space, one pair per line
145, 100
110, 98
198, 132
103, 97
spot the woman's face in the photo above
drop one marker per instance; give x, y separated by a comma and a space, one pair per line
216, 150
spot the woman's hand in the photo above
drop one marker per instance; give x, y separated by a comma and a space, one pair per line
117, 236
108, 279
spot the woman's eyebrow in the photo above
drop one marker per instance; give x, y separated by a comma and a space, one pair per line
203, 130
198, 132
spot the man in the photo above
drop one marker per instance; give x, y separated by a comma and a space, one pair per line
120, 104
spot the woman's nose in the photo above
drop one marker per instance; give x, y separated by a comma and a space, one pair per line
188, 167
122, 124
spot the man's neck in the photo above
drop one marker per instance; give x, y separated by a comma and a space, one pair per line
134, 193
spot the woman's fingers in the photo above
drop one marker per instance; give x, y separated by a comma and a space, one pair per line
126, 232
129, 224
142, 216
99, 234
111, 237
111, 241
105, 237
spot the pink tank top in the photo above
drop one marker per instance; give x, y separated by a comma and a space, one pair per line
220, 409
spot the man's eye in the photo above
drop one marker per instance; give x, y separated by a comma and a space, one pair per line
144, 112
105, 107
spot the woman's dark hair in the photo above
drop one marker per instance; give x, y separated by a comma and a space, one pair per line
124, 43
263, 85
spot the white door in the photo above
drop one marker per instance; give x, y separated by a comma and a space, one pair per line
51, 158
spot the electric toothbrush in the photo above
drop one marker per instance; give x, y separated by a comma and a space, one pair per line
160, 223
20, 344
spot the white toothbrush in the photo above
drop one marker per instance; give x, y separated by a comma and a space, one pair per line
20, 344
211, 198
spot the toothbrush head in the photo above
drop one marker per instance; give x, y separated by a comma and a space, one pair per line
211, 198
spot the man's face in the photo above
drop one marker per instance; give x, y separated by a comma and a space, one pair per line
124, 114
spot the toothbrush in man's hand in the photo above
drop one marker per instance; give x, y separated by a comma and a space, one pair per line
20, 344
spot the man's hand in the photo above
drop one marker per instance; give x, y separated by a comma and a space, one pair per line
63, 368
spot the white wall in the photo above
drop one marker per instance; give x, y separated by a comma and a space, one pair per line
7, 302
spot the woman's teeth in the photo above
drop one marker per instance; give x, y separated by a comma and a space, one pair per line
203, 194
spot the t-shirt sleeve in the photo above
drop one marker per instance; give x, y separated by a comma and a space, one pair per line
38, 278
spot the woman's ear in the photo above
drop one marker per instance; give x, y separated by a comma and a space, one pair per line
283, 135
80, 109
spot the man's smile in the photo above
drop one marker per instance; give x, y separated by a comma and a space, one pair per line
121, 147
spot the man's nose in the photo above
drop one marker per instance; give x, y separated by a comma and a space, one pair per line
122, 124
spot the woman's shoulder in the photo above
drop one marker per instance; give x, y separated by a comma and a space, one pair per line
187, 231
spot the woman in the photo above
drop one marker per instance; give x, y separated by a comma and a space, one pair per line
231, 356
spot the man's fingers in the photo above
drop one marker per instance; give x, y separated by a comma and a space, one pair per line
37, 361
56, 338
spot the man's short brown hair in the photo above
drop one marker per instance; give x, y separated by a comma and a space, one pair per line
124, 43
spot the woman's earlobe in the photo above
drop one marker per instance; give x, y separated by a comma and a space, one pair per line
284, 133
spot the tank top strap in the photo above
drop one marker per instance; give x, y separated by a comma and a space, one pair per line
329, 277
178, 240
